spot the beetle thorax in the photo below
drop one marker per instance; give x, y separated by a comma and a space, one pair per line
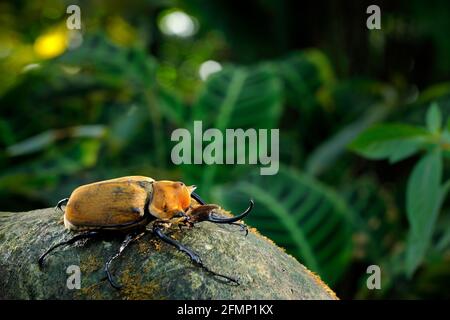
169, 198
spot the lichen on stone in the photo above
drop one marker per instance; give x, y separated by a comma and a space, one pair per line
148, 269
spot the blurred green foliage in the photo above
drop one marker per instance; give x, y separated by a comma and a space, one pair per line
102, 102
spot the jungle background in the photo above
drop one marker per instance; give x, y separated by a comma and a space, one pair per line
78, 106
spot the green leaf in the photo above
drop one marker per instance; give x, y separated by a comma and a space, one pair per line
48, 138
434, 119
172, 107
300, 214
236, 97
377, 222
101, 61
302, 75
239, 97
443, 230
384, 140
444, 241
326, 154
404, 150
423, 201
320, 60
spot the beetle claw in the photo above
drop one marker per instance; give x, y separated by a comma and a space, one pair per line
242, 226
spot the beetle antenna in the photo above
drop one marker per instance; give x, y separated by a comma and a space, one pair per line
215, 219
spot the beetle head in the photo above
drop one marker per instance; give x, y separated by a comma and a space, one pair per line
170, 198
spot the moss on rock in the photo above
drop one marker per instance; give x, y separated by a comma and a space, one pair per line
148, 269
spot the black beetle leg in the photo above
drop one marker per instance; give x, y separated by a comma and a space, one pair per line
85, 235
187, 225
192, 255
128, 239
61, 203
184, 222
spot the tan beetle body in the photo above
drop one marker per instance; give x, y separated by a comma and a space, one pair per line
109, 203
128, 204
122, 203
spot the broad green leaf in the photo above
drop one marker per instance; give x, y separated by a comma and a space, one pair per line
404, 150
49, 137
441, 236
240, 97
327, 152
434, 118
172, 107
322, 64
7, 136
302, 75
300, 214
423, 201
104, 61
376, 218
236, 97
434, 92
125, 127
383, 141
444, 241
128, 69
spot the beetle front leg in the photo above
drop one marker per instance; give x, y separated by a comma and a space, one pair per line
157, 230
181, 219
128, 239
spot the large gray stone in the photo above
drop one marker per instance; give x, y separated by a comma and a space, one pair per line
148, 269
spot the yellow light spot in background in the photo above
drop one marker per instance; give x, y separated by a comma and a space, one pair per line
51, 44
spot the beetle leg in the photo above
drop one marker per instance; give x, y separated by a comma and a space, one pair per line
86, 235
180, 217
61, 203
192, 255
185, 224
128, 239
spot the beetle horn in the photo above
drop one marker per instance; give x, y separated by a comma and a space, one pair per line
197, 198
215, 219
